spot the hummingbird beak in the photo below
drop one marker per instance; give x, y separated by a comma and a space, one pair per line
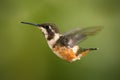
31, 24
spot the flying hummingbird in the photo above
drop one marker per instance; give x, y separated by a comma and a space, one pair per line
65, 46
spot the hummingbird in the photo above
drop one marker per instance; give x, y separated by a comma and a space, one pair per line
65, 45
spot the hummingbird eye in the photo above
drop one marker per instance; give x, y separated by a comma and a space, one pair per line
46, 27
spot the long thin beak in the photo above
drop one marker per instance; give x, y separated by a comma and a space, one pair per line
30, 23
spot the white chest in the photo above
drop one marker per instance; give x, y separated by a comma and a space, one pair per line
53, 41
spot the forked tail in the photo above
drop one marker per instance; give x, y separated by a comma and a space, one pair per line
84, 51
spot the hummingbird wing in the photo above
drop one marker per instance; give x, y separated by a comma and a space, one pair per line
79, 34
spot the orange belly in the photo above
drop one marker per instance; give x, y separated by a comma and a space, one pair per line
65, 53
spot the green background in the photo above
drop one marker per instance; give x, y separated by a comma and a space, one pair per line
25, 55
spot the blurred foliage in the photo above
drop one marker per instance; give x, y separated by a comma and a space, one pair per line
25, 55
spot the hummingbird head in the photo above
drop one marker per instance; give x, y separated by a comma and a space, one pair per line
48, 29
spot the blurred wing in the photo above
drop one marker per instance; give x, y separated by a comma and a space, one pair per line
72, 32
77, 35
